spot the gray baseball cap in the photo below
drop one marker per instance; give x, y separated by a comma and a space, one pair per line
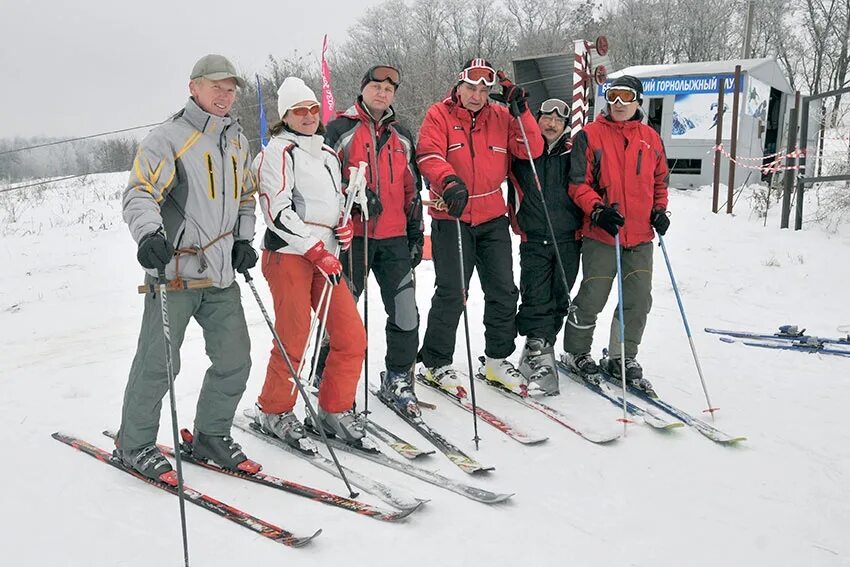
215, 68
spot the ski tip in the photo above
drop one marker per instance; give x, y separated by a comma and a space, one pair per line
293, 541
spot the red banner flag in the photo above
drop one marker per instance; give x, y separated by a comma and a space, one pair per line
328, 104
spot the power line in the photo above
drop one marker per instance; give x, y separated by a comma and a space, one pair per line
77, 139
36, 184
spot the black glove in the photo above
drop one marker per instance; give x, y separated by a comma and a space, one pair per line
455, 195
516, 99
373, 204
155, 252
659, 221
607, 218
243, 256
416, 244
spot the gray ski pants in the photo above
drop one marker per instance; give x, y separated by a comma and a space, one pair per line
599, 269
220, 315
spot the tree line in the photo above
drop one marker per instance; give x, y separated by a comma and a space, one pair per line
429, 40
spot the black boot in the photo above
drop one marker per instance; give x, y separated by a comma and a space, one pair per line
223, 451
634, 374
150, 463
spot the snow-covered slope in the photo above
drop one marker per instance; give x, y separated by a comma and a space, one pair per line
69, 317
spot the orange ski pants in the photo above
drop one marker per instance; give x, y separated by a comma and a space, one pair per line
296, 286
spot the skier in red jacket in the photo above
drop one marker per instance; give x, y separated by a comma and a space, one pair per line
618, 177
464, 152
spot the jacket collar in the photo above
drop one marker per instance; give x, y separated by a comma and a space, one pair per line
310, 144
359, 111
203, 121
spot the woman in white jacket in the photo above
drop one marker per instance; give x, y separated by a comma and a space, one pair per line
299, 185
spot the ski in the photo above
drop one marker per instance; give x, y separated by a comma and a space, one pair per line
286, 485
786, 333
807, 347
205, 501
373, 487
555, 415
431, 477
499, 423
466, 463
396, 443
648, 416
707, 430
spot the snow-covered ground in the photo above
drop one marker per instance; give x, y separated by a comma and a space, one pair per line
69, 317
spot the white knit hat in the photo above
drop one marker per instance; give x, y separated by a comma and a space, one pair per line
292, 91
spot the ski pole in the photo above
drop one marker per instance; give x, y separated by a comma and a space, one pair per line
625, 418
466, 332
169, 369
366, 310
315, 417
711, 409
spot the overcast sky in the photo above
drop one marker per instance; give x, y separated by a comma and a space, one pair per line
76, 68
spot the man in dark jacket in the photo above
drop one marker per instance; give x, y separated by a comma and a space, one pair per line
464, 151
545, 297
619, 179
392, 221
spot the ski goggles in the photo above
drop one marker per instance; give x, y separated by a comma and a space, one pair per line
305, 110
381, 73
555, 105
477, 75
623, 95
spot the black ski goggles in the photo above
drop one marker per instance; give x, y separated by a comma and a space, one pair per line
381, 73
555, 105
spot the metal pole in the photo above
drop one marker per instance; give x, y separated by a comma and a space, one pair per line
733, 150
801, 163
169, 369
718, 141
466, 332
748, 33
711, 409
622, 327
788, 181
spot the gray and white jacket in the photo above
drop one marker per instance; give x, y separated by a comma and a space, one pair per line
298, 179
191, 177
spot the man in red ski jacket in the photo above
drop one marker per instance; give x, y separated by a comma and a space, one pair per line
464, 153
369, 132
618, 177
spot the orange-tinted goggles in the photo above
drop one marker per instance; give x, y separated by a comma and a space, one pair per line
478, 75
623, 94
305, 110
383, 73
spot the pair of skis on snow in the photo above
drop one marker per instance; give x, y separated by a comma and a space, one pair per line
789, 337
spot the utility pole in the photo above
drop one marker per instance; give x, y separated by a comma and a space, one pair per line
748, 30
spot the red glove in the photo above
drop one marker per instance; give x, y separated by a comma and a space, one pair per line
325, 262
344, 233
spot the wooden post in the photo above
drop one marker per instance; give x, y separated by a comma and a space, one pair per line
790, 162
801, 163
718, 140
733, 149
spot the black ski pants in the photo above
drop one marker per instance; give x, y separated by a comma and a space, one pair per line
389, 260
545, 300
487, 248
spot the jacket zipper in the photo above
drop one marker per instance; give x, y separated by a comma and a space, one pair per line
639, 158
211, 176
235, 179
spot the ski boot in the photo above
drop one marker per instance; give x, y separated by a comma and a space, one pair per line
537, 364
501, 372
634, 375
223, 451
446, 378
345, 426
149, 462
286, 427
583, 366
397, 389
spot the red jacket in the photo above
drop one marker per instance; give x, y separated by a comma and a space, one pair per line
623, 163
476, 148
395, 178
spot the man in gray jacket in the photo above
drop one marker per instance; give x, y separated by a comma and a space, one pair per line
189, 205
